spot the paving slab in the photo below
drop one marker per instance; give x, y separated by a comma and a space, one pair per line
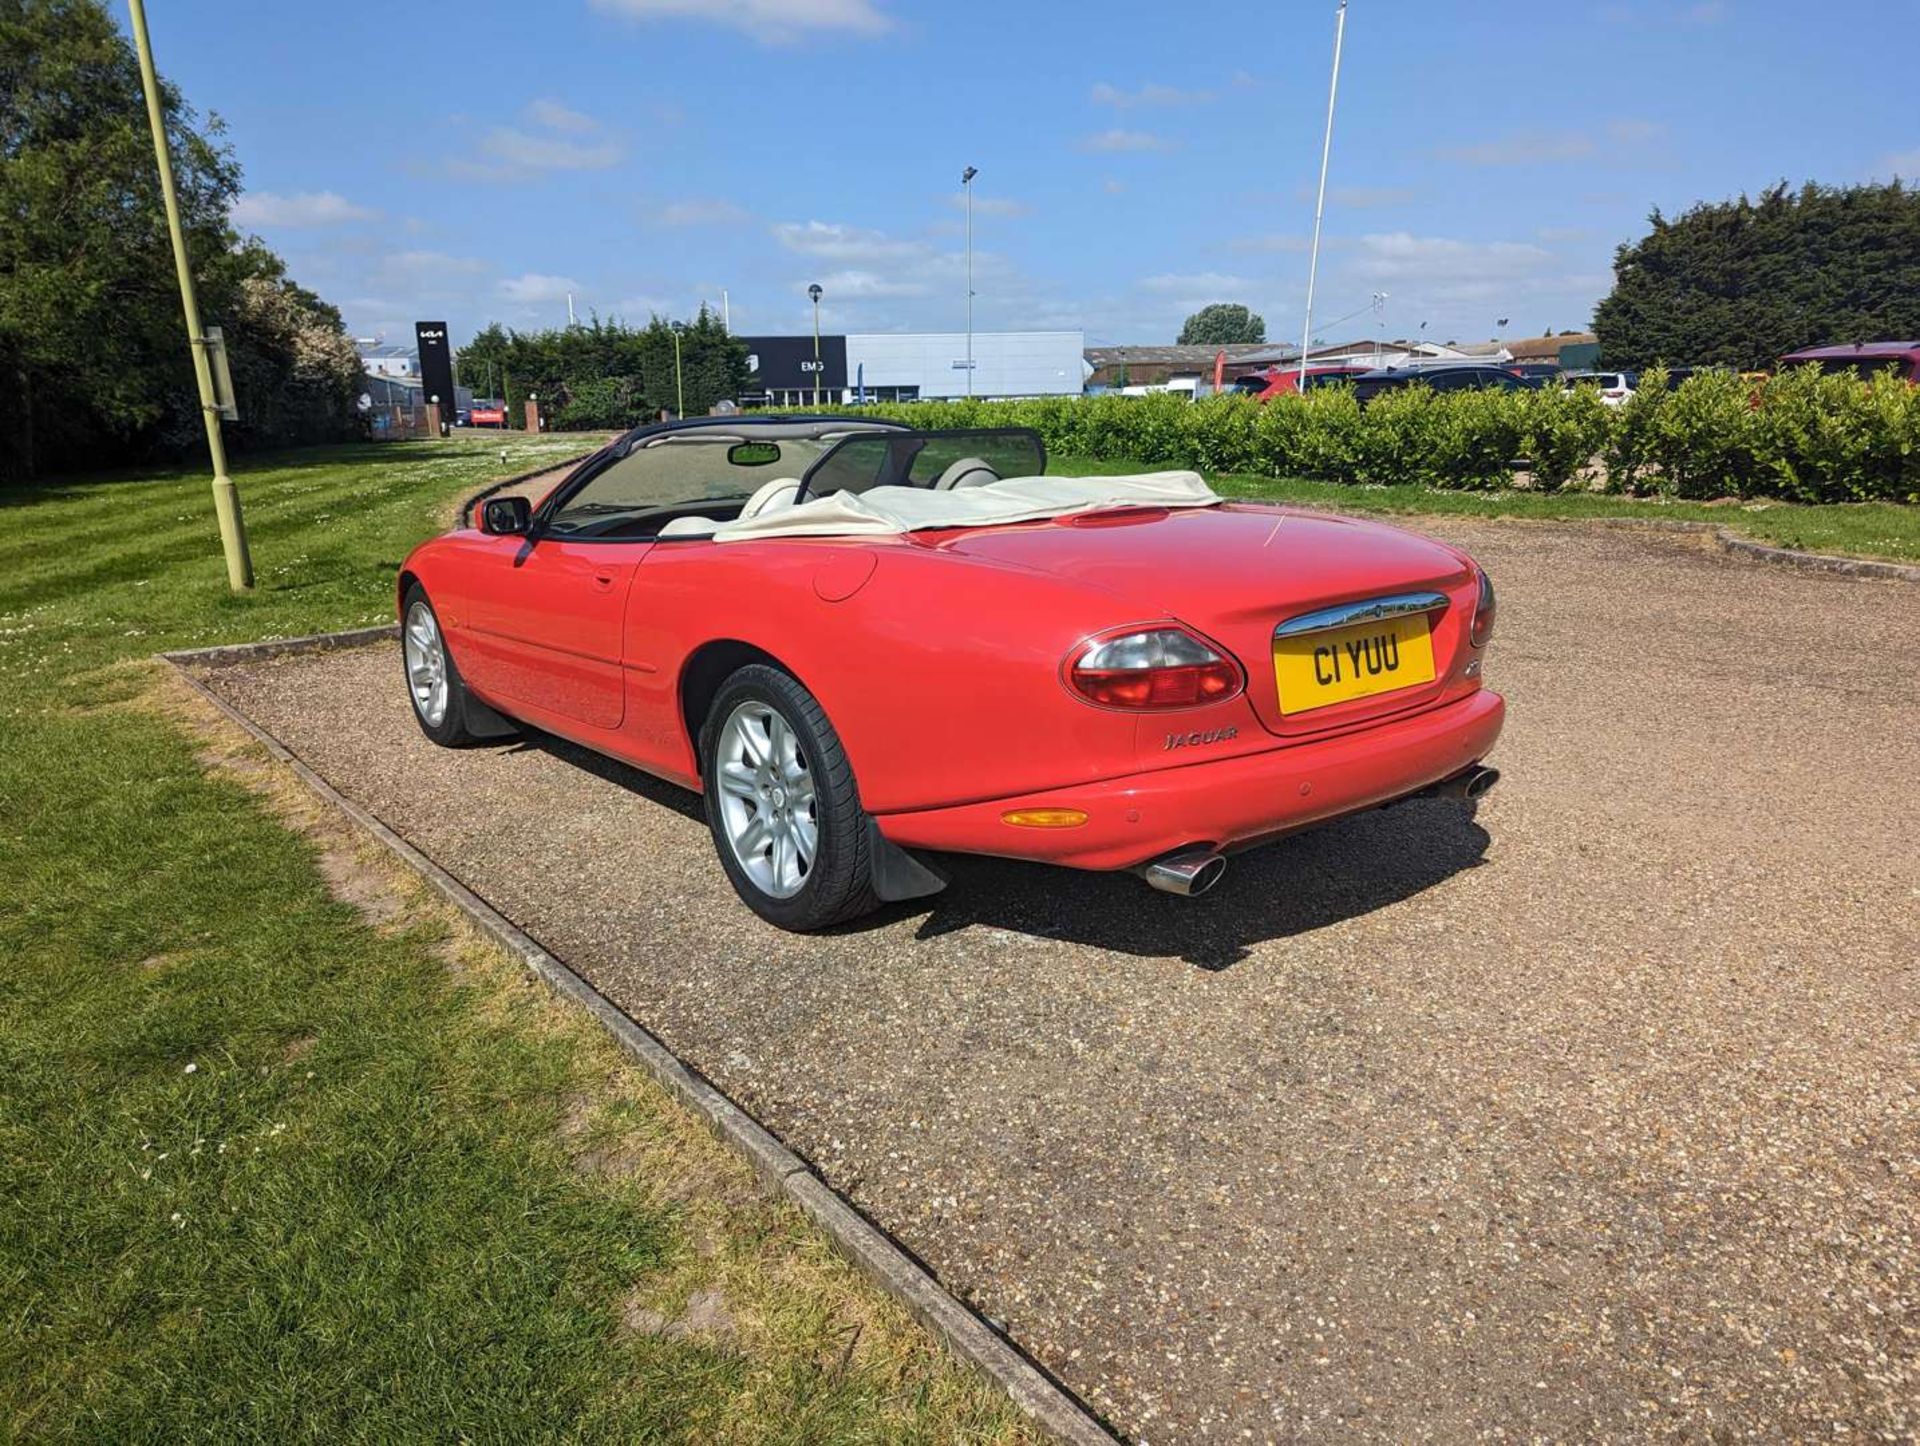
1593, 1115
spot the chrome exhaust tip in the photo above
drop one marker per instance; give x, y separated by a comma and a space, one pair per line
1469, 783
1188, 874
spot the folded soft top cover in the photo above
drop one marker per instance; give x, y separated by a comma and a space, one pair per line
881, 511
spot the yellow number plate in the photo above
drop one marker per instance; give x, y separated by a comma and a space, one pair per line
1314, 670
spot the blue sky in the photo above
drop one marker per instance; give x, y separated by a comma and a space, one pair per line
1136, 160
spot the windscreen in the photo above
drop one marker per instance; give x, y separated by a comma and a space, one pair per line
1863, 366
963, 458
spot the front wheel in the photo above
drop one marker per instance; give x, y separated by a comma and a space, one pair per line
442, 707
782, 804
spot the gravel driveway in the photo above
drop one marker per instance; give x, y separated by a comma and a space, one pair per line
1597, 1115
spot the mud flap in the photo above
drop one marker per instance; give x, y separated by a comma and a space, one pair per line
484, 722
897, 874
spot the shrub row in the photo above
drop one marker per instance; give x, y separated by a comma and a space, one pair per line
1799, 436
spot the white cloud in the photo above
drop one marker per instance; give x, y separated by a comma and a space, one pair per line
1402, 256
304, 208
523, 154
1118, 140
862, 285
1149, 94
991, 205
700, 211
557, 117
532, 287
562, 139
1113, 186
425, 265
1548, 148
834, 242
769, 21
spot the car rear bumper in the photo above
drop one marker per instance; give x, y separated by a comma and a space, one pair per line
1227, 804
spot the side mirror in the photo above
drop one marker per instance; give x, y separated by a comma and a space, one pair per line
506, 516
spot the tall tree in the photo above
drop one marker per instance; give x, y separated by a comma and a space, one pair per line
1737, 283
1224, 323
92, 357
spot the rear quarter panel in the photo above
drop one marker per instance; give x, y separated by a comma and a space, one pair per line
941, 674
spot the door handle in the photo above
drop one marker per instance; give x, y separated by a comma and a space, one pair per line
603, 582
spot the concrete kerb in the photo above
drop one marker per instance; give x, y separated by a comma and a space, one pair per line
878, 1255
1728, 540
1733, 542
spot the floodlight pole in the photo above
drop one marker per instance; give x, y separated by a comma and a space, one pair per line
226, 496
966, 184
1320, 203
679, 383
813, 292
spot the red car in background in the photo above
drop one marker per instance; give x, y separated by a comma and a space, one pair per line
860, 641
1286, 381
1864, 359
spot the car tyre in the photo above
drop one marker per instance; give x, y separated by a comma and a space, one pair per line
442, 707
782, 804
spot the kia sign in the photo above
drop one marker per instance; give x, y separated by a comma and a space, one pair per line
436, 364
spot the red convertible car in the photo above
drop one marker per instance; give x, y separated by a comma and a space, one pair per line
863, 642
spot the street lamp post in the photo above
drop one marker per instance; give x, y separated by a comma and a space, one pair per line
226, 496
813, 292
679, 381
966, 184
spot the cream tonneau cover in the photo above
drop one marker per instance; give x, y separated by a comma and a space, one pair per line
890, 510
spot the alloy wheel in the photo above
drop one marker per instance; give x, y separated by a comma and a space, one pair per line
765, 793
426, 656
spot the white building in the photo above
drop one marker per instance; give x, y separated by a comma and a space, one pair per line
381, 359
904, 366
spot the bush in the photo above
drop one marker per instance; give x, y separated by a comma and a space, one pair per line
1804, 437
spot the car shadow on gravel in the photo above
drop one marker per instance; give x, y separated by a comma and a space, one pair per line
1308, 881
682, 801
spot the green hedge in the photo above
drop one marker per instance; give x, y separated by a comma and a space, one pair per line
1799, 436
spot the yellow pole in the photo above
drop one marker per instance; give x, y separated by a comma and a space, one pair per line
226, 496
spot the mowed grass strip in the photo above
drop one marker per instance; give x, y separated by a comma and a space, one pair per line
287, 1152
1883, 530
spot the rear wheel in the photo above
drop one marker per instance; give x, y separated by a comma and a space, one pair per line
782, 804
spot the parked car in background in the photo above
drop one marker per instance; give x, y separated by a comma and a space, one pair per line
1864, 359
1614, 387
1460, 377
1538, 373
1287, 381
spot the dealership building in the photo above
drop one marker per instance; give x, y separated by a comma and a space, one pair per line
912, 366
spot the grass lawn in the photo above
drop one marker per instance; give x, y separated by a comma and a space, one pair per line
1853, 529
276, 1166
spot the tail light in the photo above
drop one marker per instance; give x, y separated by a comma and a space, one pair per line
1483, 610
1152, 668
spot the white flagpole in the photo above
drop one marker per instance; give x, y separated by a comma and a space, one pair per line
1320, 204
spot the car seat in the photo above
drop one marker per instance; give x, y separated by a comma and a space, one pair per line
769, 497
967, 472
